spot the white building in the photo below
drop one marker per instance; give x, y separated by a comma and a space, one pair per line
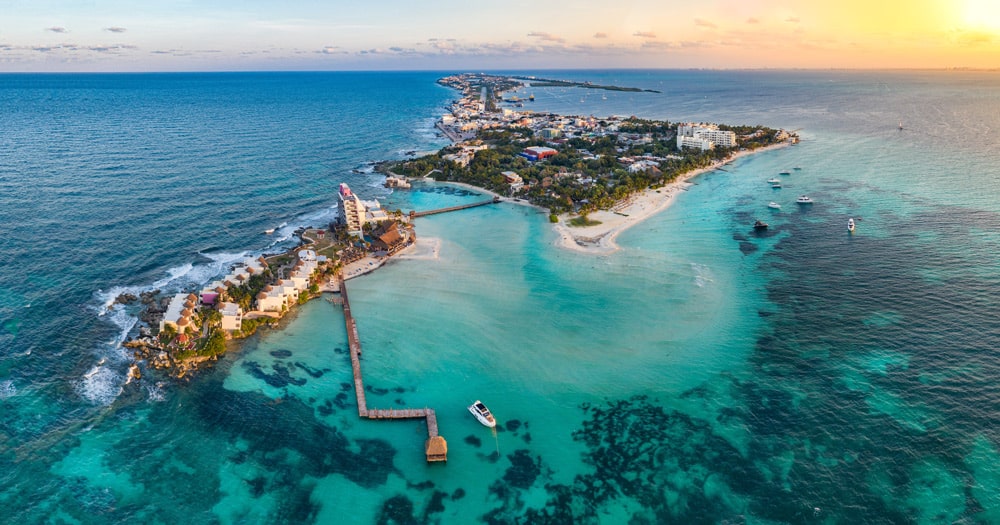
693, 142
709, 132
352, 211
232, 316
179, 312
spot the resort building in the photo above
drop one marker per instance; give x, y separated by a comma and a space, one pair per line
513, 179
708, 132
352, 211
180, 311
232, 316
693, 142
535, 153
240, 274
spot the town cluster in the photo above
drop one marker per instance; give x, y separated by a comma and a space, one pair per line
568, 163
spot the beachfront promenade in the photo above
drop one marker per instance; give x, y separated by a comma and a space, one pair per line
436, 448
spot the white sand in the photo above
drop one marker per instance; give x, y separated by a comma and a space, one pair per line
600, 239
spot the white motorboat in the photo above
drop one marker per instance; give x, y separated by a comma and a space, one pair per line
850, 224
804, 199
269, 231
776, 186
774, 180
483, 414
774, 205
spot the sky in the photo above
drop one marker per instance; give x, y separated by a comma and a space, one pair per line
236, 35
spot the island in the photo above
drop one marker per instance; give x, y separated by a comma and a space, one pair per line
593, 177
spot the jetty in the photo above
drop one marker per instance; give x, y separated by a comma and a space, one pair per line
435, 448
415, 214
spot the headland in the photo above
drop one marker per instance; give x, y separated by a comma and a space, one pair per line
595, 176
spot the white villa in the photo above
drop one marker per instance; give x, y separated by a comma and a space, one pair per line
232, 316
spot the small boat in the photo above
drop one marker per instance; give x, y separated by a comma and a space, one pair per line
900, 125
482, 413
774, 205
786, 172
804, 199
269, 231
776, 186
774, 180
760, 225
531, 97
796, 168
850, 225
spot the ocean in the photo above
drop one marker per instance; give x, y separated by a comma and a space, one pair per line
704, 373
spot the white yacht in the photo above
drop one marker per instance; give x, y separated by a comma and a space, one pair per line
804, 199
774, 180
850, 224
482, 413
774, 205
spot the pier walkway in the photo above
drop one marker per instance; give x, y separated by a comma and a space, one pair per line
415, 214
436, 448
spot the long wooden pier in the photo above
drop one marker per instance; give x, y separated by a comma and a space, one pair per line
415, 214
436, 448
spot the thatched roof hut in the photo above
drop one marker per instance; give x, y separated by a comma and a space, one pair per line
436, 449
192, 297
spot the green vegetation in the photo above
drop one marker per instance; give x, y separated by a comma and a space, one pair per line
544, 82
553, 218
587, 174
582, 221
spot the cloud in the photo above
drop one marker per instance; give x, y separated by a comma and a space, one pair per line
792, 20
753, 20
115, 29
111, 49
973, 38
701, 22
644, 34
547, 37
600, 35
57, 29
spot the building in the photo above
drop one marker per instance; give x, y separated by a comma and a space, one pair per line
513, 179
352, 211
550, 133
684, 141
709, 132
179, 312
535, 153
232, 316
726, 139
388, 238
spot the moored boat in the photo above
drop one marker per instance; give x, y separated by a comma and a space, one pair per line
804, 199
774, 180
776, 186
483, 414
786, 172
760, 225
774, 205
850, 224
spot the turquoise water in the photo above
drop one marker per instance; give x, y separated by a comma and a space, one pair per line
701, 374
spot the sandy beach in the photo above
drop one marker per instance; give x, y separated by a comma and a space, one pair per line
600, 239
